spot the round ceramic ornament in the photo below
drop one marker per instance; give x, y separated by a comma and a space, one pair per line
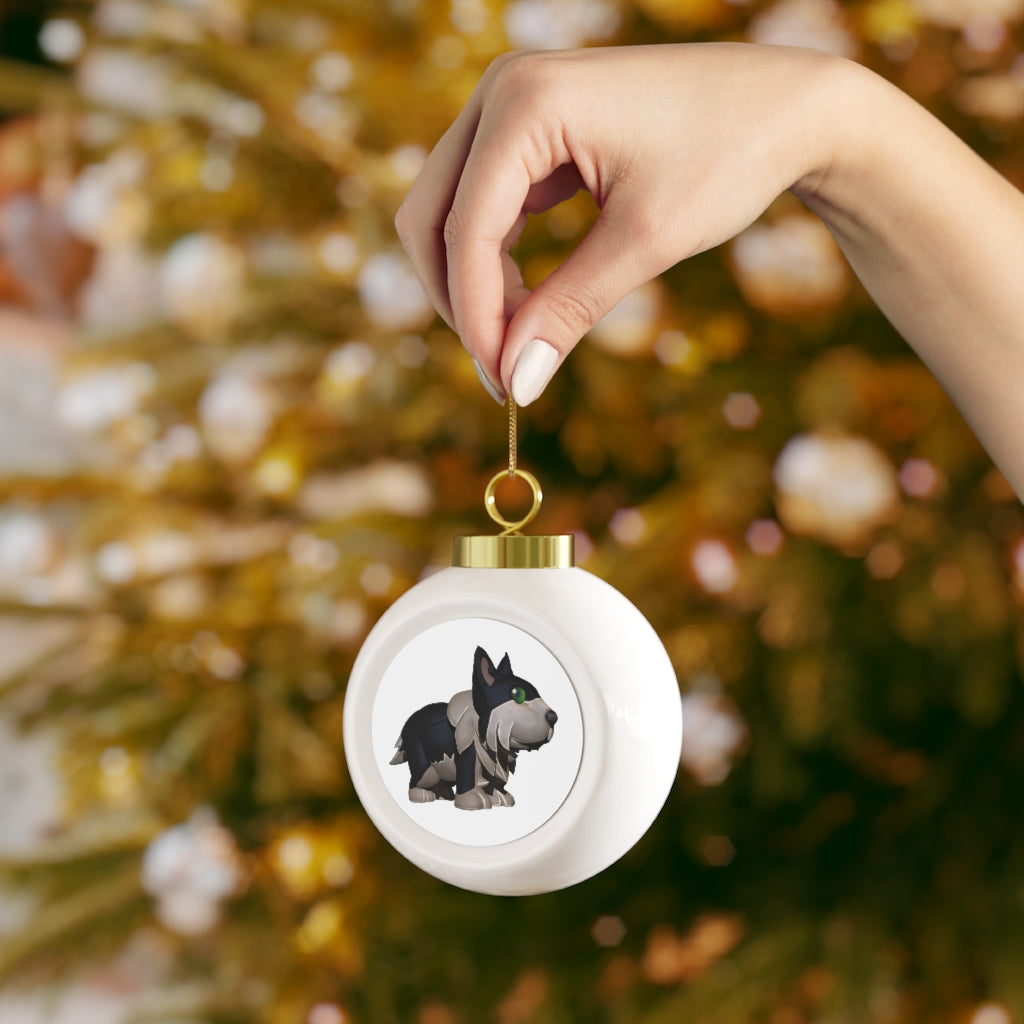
512, 723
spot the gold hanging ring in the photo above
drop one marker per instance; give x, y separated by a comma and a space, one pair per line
491, 503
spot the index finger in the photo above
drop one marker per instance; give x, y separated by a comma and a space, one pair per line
503, 165
421, 218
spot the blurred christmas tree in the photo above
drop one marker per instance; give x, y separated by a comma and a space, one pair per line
265, 437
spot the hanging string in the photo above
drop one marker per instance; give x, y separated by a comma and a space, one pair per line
512, 527
513, 436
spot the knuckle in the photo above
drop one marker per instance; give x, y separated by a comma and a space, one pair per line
510, 68
500, 62
521, 83
454, 228
404, 225
576, 311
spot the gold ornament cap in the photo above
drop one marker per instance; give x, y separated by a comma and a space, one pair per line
510, 549
513, 551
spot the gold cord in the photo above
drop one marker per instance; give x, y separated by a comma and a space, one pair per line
512, 527
513, 436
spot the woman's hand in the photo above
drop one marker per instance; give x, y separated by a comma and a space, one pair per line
680, 146
684, 146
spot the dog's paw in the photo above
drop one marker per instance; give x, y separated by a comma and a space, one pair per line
420, 796
502, 799
473, 800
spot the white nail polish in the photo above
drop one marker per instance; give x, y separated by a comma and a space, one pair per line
489, 386
534, 369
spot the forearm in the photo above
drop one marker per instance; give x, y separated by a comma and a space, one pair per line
937, 238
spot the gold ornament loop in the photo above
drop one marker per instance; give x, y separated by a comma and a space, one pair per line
491, 504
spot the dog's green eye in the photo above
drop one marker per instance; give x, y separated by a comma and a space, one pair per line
518, 694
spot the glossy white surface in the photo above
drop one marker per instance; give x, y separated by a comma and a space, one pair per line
629, 703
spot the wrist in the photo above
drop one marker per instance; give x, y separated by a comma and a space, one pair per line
844, 105
881, 164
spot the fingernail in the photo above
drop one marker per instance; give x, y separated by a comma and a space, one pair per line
534, 369
489, 386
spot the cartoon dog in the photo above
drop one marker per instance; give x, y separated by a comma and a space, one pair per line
472, 741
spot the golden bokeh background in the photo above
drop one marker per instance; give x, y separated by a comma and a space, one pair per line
232, 432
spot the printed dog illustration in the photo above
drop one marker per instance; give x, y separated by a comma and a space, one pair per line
472, 741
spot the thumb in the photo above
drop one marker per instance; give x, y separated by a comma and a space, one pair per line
607, 265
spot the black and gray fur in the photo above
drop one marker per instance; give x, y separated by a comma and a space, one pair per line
466, 750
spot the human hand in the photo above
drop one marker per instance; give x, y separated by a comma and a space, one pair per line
681, 146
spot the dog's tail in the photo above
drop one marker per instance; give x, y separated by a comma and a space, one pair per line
400, 755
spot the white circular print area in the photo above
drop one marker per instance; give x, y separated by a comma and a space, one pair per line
437, 668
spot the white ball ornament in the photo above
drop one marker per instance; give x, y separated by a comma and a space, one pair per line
513, 723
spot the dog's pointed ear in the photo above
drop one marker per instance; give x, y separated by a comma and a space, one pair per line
505, 667
483, 666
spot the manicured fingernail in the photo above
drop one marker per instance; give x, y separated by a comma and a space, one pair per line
534, 369
489, 386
